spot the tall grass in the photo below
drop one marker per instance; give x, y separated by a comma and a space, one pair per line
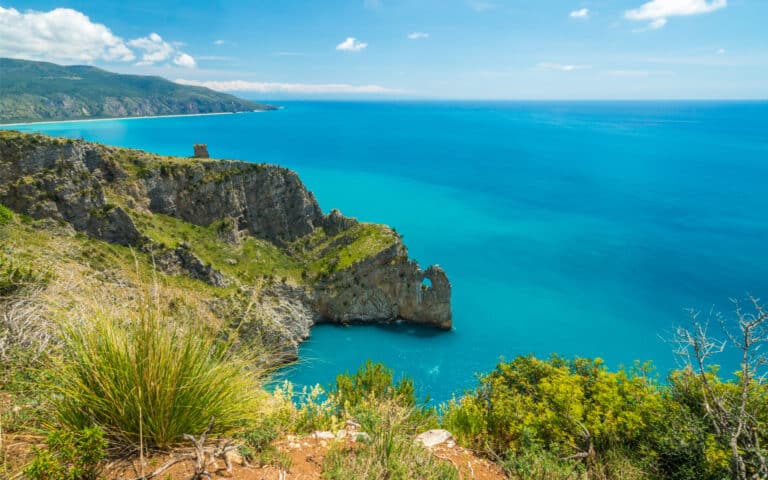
391, 453
144, 376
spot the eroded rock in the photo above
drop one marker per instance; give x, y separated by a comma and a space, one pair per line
433, 438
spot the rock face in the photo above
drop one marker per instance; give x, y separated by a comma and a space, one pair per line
267, 202
387, 287
71, 181
182, 260
56, 181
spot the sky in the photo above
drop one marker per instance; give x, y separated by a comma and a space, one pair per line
440, 49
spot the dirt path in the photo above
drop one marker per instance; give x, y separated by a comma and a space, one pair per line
306, 458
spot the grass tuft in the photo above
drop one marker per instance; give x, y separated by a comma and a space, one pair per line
148, 378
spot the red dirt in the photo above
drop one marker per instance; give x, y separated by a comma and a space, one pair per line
306, 455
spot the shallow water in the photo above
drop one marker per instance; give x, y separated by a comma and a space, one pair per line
578, 228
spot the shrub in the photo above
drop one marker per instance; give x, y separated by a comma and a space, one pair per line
69, 456
16, 275
572, 409
372, 381
6, 215
150, 378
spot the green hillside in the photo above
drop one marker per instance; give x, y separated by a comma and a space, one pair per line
38, 91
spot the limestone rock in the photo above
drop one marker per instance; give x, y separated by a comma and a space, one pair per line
182, 260
387, 287
433, 438
285, 318
268, 202
57, 181
335, 223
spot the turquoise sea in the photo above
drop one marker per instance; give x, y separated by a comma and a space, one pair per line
582, 228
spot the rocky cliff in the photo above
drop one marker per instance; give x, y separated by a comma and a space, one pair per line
236, 226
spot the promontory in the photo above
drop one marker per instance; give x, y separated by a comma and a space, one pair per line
246, 242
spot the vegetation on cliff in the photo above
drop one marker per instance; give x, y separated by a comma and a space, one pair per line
40, 91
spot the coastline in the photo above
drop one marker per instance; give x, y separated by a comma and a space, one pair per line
46, 122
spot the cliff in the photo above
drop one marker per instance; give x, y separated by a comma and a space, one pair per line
234, 226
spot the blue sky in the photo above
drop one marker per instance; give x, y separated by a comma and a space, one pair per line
473, 49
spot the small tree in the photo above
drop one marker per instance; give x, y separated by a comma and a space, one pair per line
735, 411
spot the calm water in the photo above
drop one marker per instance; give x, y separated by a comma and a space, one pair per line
576, 228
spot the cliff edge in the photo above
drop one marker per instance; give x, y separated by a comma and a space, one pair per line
234, 226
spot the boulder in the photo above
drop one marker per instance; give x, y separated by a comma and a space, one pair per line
433, 438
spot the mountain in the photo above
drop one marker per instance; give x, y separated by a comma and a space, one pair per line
39, 91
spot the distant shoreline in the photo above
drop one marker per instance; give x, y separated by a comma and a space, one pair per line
126, 118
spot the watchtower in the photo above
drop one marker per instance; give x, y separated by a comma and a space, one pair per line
201, 150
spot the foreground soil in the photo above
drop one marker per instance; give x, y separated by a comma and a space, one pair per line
306, 455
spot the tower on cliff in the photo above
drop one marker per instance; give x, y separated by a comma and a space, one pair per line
201, 150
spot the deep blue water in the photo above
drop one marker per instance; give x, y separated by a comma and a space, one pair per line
576, 228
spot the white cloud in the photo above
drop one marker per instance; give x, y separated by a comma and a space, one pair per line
658, 11
418, 35
351, 44
156, 50
721, 51
154, 47
629, 73
582, 13
561, 67
184, 60
67, 36
219, 42
62, 34
264, 87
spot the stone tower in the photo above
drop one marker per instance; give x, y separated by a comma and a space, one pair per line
201, 150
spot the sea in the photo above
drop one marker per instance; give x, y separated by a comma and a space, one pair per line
571, 228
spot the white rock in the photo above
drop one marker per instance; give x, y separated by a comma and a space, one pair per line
235, 458
341, 434
432, 438
361, 437
352, 425
323, 435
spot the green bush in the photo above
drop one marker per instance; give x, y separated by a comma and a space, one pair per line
6, 215
69, 456
16, 275
372, 381
149, 378
575, 409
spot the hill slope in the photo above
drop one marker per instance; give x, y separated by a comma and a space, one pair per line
37, 91
223, 233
